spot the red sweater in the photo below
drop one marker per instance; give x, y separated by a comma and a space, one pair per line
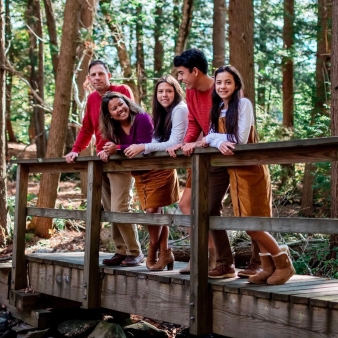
90, 123
199, 106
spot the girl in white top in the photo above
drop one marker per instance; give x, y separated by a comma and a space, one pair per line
170, 116
232, 121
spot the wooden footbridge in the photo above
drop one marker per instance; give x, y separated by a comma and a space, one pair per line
305, 306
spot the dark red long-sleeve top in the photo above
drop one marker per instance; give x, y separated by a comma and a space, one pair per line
199, 106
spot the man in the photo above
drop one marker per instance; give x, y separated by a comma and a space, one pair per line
116, 186
192, 68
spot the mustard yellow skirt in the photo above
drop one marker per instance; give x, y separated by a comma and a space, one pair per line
157, 188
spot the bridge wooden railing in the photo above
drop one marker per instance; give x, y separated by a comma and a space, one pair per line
299, 151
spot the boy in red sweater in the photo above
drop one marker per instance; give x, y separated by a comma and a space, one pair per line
192, 70
116, 186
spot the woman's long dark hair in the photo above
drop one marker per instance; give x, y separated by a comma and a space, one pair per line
232, 112
108, 126
161, 115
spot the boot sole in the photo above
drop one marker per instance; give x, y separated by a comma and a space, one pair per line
284, 280
227, 275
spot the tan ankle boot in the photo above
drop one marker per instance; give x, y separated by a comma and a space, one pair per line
186, 270
284, 269
152, 255
268, 267
211, 259
166, 259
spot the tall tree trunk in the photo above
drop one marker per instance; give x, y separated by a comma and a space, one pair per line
158, 49
85, 52
9, 82
141, 72
334, 121
57, 134
185, 26
261, 79
3, 180
184, 29
288, 91
287, 66
40, 113
320, 99
241, 41
218, 34
122, 52
53, 42
33, 17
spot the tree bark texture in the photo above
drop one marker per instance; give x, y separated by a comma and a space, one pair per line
334, 105
321, 97
183, 32
58, 127
3, 179
184, 29
85, 52
287, 64
158, 49
141, 71
8, 33
53, 42
218, 34
37, 125
334, 120
241, 42
122, 52
261, 78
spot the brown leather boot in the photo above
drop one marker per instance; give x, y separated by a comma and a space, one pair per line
152, 255
186, 270
284, 269
268, 267
166, 259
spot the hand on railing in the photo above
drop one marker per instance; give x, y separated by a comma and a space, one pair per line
103, 156
70, 158
224, 148
172, 150
134, 149
110, 148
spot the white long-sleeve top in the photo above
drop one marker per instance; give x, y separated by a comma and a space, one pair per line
179, 122
245, 121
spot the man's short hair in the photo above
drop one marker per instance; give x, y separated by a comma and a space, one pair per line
98, 62
192, 58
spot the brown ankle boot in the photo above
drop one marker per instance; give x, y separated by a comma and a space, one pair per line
211, 259
166, 259
284, 269
186, 270
152, 255
268, 267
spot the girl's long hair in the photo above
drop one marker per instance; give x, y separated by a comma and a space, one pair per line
161, 115
108, 126
232, 112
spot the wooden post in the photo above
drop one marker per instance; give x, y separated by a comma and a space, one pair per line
91, 282
19, 267
200, 295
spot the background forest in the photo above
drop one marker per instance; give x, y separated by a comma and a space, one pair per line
283, 49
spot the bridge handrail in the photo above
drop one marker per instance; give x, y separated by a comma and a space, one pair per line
295, 151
